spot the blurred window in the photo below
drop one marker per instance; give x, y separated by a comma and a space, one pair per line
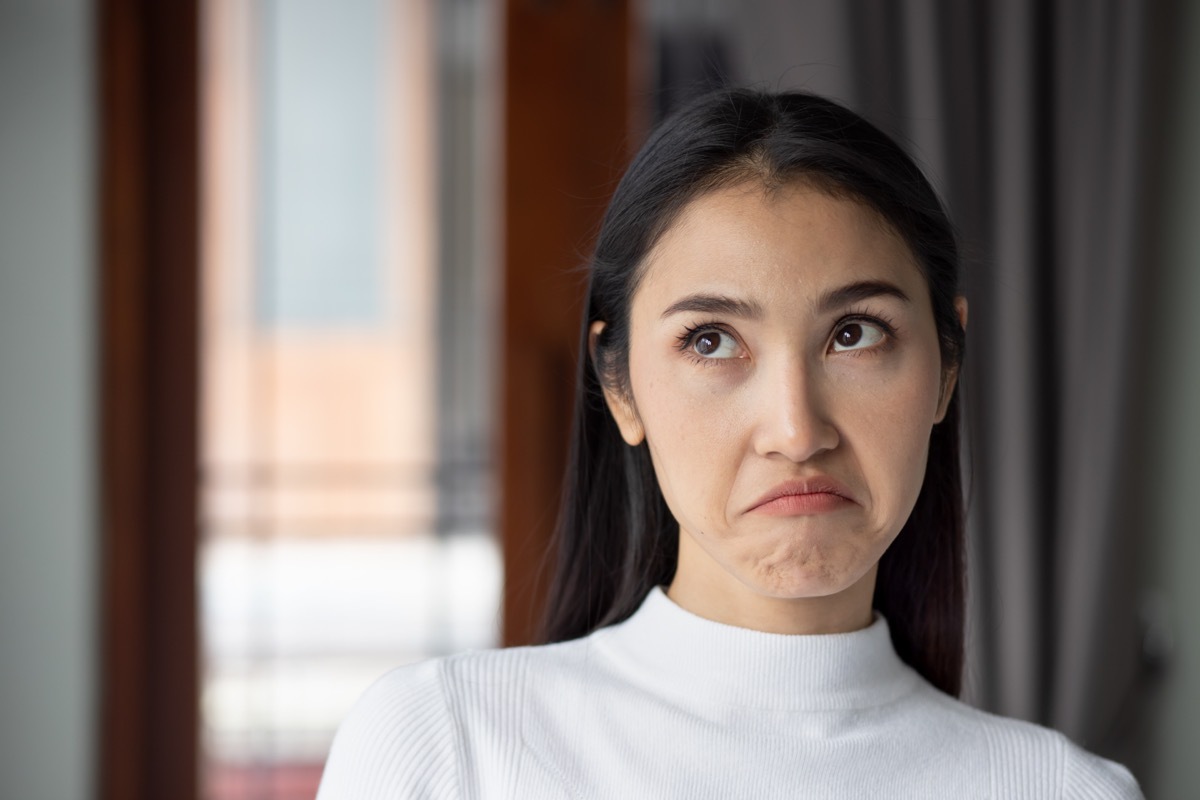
323, 99
347, 305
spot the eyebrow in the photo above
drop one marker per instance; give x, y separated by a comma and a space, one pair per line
748, 309
715, 304
857, 292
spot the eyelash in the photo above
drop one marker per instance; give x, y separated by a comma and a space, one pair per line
691, 332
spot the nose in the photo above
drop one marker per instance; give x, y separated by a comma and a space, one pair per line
794, 420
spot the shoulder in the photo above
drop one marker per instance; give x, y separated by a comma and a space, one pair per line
1026, 759
406, 735
397, 741
1089, 776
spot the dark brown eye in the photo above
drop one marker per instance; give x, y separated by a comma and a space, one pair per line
708, 343
714, 344
856, 336
849, 335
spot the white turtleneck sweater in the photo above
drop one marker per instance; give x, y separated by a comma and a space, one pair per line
670, 705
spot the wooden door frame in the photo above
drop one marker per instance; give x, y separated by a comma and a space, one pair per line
148, 234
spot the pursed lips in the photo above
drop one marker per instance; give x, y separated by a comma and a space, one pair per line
813, 494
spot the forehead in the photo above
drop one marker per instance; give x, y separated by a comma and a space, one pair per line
786, 245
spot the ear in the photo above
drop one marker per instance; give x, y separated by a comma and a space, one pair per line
950, 379
620, 406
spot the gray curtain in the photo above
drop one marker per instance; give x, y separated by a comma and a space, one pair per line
1032, 113
1031, 116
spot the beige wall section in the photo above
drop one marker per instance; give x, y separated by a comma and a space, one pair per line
1172, 343
48, 556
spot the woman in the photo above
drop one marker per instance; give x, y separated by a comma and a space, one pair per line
760, 578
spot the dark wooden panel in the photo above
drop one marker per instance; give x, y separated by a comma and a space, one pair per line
149, 228
567, 123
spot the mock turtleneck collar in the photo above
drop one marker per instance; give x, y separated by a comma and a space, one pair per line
677, 653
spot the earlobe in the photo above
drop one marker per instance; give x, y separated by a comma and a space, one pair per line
626, 417
949, 381
620, 406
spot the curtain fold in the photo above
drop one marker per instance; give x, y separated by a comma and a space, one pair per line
1100, 82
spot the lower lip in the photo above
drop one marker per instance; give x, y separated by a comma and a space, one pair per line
800, 504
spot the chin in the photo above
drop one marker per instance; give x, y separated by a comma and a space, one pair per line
795, 580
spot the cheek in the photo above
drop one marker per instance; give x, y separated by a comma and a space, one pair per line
889, 432
692, 431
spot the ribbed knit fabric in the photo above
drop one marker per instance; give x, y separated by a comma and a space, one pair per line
670, 705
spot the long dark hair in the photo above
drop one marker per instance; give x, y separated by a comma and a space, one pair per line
616, 538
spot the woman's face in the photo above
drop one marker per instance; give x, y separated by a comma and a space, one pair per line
784, 370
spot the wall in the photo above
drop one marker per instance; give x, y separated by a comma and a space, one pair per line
1171, 342
47, 433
